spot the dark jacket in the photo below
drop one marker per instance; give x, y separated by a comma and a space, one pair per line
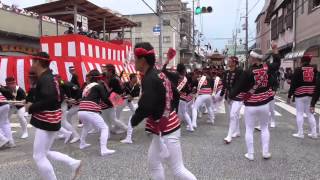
46, 108
5, 94
96, 95
229, 80
303, 81
185, 93
152, 100
132, 91
75, 80
20, 96
115, 85
174, 78
256, 83
316, 94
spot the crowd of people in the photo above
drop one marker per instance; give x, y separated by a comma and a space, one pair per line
166, 98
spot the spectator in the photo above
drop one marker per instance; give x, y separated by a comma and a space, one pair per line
282, 78
288, 76
82, 32
69, 31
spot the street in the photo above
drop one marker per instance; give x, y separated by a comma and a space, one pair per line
204, 152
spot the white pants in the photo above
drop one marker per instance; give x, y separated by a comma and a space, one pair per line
233, 109
202, 99
174, 161
72, 112
43, 141
21, 117
251, 114
217, 101
272, 113
5, 124
67, 120
111, 115
184, 111
303, 106
65, 123
130, 129
94, 119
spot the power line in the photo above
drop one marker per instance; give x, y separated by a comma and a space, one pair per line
293, 11
237, 16
173, 28
254, 6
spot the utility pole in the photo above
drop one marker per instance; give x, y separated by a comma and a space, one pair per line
247, 35
193, 32
159, 5
199, 36
235, 43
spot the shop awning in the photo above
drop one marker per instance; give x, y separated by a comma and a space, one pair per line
294, 55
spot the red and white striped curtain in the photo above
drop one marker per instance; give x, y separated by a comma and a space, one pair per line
19, 68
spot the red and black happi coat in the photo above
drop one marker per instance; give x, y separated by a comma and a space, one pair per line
303, 82
156, 104
46, 108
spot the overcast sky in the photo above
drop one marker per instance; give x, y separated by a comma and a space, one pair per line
219, 24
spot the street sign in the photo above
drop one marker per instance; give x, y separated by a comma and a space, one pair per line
156, 30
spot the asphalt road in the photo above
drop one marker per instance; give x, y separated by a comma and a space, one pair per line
204, 152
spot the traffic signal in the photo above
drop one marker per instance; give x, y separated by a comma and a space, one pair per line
198, 10
202, 10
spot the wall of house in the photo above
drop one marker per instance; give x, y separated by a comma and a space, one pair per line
287, 36
263, 36
308, 25
308, 31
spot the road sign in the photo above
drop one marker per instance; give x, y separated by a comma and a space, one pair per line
156, 30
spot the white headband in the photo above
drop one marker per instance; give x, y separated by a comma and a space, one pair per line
256, 55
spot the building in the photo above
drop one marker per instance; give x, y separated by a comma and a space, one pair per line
177, 30
262, 29
307, 36
280, 16
294, 25
19, 31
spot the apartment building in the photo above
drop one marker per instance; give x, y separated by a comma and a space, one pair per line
177, 30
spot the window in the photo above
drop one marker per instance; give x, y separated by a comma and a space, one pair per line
302, 6
166, 39
138, 40
166, 22
289, 15
281, 24
315, 4
274, 28
139, 24
297, 6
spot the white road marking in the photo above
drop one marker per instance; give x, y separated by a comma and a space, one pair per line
17, 125
290, 109
279, 99
287, 107
221, 110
